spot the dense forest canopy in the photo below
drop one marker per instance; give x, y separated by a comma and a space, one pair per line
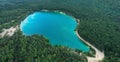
99, 19
20, 48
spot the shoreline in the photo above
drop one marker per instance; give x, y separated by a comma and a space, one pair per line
99, 56
8, 32
58, 11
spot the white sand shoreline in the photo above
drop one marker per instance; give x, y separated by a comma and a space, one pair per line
99, 56
8, 32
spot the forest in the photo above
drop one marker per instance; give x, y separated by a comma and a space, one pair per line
35, 48
99, 20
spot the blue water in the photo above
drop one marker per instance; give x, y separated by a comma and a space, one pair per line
56, 27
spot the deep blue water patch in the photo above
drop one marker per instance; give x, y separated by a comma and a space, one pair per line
58, 28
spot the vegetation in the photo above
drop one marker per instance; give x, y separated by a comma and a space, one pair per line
99, 20
19, 48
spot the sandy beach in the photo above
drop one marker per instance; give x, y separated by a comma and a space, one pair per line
8, 32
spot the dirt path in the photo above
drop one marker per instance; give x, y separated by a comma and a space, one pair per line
99, 56
8, 32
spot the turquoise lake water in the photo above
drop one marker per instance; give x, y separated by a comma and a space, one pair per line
58, 28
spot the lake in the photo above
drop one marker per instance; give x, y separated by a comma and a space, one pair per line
58, 28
